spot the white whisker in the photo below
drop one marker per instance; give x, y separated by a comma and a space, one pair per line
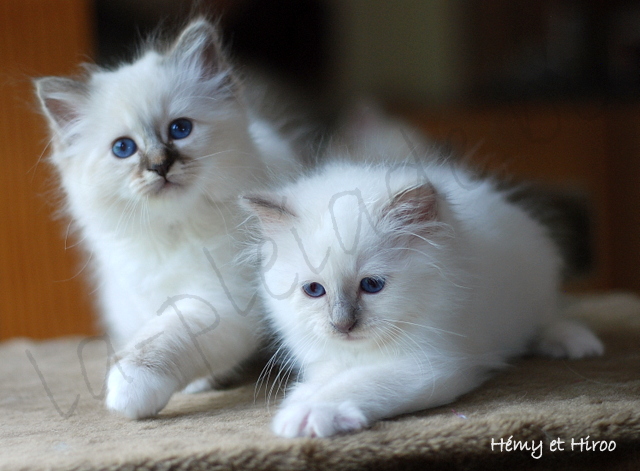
428, 327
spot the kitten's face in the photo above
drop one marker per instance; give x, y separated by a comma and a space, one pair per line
334, 276
166, 130
149, 134
351, 299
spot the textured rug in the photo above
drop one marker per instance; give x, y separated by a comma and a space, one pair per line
538, 414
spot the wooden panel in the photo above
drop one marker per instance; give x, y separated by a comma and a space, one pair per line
561, 144
37, 298
624, 202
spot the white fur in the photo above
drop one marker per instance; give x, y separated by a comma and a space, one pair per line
470, 281
160, 298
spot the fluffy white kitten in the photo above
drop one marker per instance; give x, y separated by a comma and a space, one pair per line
400, 288
151, 158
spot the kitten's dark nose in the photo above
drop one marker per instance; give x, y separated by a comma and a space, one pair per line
161, 168
345, 325
161, 160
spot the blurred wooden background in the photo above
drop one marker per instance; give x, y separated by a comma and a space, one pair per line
41, 294
591, 146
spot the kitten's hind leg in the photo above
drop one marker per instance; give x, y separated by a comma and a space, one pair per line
199, 385
567, 339
207, 383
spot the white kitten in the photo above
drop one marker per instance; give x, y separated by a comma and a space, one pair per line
397, 289
151, 157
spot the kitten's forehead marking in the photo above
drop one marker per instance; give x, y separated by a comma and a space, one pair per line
151, 130
344, 298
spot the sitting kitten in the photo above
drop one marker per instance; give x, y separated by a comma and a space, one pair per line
151, 158
397, 289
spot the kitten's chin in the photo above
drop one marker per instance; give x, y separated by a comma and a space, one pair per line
353, 339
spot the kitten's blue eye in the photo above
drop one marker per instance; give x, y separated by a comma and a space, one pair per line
315, 290
371, 284
180, 128
124, 147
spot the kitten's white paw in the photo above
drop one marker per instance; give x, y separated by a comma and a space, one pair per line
317, 419
137, 391
199, 385
568, 339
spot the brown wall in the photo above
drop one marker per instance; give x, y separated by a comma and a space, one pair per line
623, 130
36, 38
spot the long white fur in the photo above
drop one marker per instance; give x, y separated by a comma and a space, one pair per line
164, 306
470, 283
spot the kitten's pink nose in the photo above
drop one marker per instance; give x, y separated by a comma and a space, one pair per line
345, 325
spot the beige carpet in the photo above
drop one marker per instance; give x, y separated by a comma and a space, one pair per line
52, 417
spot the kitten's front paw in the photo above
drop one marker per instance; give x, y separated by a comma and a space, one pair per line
137, 391
569, 339
317, 419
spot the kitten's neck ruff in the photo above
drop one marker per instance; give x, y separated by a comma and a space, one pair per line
142, 223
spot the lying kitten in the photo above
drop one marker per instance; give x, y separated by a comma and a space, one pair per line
151, 158
397, 289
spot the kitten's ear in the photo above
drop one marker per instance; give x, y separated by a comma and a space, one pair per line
61, 100
416, 206
198, 45
271, 209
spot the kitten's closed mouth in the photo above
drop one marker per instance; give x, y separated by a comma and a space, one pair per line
164, 186
349, 337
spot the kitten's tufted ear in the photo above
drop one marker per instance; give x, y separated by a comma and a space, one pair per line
61, 100
271, 209
198, 45
416, 206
